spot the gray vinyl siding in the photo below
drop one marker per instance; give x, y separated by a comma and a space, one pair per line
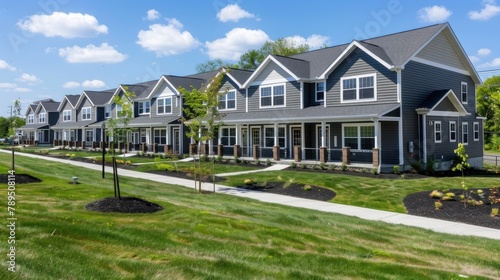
441, 51
176, 110
418, 82
86, 103
389, 143
292, 97
67, 106
360, 63
228, 85
272, 72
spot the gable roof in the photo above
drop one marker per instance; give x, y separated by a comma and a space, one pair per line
297, 68
176, 82
72, 99
49, 106
96, 98
442, 103
141, 90
238, 76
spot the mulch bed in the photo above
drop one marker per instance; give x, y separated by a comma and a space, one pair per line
185, 175
20, 179
125, 205
360, 173
421, 204
295, 190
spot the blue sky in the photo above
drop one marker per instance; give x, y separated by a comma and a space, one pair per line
49, 48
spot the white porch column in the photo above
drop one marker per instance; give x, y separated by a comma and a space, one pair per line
377, 133
424, 138
275, 134
238, 135
323, 134
303, 140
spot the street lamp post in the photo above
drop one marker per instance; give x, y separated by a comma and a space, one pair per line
103, 129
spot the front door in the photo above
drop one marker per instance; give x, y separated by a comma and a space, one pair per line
296, 138
244, 142
255, 138
177, 141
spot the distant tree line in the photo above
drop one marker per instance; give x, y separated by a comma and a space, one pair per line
5, 124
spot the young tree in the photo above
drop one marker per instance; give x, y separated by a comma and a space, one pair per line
118, 129
15, 112
213, 65
461, 164
201, 115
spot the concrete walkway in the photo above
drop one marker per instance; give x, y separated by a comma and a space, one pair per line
276, 167
363, 213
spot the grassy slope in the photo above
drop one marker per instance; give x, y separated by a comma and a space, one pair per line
216, 237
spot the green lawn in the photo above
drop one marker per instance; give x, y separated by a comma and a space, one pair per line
214, 236
185, 166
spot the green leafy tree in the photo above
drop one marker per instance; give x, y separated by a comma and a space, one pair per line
283, 46
4, 127
251, 59
15, 113
202, 117
488, 106
213, 65
118, 129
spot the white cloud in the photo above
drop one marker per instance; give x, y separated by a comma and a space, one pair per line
167, 39
474, 59
93, 84
434, 14
489, 10
153, 14
483, 52
92, 54
233, 12
20, 89
28, 78
71, 84
236, 42
6, 66
71, 25
7, 85
314, 41
494, 63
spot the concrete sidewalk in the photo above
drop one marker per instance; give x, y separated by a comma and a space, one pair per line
363, 213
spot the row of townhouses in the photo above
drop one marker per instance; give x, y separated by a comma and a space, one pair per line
389, 100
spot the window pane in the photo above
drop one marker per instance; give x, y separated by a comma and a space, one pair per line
320, 86
265, 91
349, 84
351, 142
279, 100
367, 131
232, 132
222, 104
350, 131
349, 94
279, 90
231, 95
366, 93
365, 82
265, 101
367, 143
231, 104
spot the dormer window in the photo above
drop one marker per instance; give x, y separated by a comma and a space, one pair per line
30, 119
320, 91
144, 107
86, 113
41, 117
66, 115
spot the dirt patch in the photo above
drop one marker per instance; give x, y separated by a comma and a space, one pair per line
295, 190
421, 204
124, 205
20, 179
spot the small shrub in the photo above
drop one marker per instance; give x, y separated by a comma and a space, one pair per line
236, 159
245, 161
204, 158
331, 167
218, 159
307, 188
374, 171
430, 167
395, 169
323, 166
438, 205
494, 212
165, 167
343, 167
416, 167
257, 162
303, 166
72, 156
436, 194
293, 165
249, 182
268, 162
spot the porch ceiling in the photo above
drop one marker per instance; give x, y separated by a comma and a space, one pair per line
313, 114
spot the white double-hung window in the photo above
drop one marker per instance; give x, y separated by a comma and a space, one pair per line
86, 112
272, 96
358, 88
228, 101
164, 105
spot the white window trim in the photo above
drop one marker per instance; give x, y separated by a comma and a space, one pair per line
228, 127
466, 93
44, 118
263, 136
358, 125
235, 101
171, 105
64, 113
31, 119
436, 132
465, 124
357, 100
154, 135
84, 114
474, 131
272, 96
143, 103
316, 91
451, 139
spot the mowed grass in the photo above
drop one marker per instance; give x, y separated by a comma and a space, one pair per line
214, 236
382, 194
